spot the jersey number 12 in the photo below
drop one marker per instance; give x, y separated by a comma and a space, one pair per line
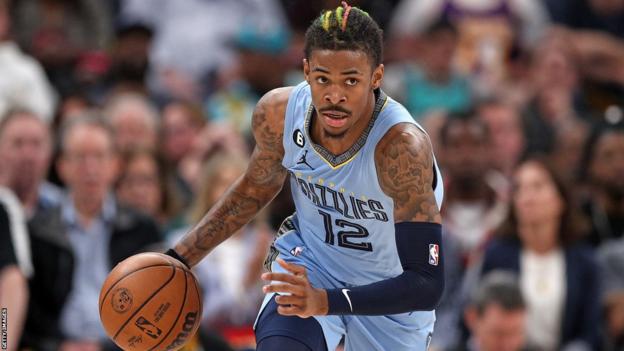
344, 235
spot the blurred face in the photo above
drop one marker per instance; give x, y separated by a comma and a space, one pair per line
439, 51
536, 199
569, 148
139, 187
133, 130
25, 152
607, 166
132, 51
506, 132
88, 164
498, 329
178, 132
466, 153
342, 84
553, 70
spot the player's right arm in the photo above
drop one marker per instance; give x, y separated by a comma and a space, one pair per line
260, 183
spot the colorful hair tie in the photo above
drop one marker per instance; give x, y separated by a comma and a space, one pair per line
346, 15
326, 20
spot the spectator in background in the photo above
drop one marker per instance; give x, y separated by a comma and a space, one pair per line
259, 69
122, 70
431, 83
60, 32
473, 208
145, 184
130, 59
611, 257
475, 194
76, 244
23, 83
602, 170
603, 15
556, 98
507, 133
568, 149
601, 56
558, 276
182, 123
601, 62
496, 315
212, 139
25, 151
489, 30
230, 274
15, 267
135, 122
192, 43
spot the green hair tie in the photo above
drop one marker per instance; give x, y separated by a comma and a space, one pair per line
339, 13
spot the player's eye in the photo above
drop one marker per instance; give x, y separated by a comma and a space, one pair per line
351, 81
322, 80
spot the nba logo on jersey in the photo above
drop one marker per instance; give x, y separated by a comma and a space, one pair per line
434, 253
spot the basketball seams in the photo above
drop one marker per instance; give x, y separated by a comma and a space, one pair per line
146, 300
125, 276
179, 312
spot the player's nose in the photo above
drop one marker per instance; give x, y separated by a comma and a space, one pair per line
334, 96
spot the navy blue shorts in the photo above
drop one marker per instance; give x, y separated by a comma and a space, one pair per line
307, 331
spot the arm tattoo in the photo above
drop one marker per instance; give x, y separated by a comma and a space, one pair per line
404, 163
261, 182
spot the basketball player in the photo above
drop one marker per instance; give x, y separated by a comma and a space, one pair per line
362, 254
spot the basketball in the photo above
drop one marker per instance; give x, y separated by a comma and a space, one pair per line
150, 301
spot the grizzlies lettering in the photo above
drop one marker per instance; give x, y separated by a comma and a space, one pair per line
347, 205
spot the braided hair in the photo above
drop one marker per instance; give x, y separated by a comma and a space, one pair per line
345, 28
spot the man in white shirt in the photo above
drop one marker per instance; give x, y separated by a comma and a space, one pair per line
23, 83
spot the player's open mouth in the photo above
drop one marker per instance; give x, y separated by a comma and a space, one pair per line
335, 119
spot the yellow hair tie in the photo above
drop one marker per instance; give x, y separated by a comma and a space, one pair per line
326, 20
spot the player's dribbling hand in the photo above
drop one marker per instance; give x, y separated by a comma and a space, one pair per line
303, 300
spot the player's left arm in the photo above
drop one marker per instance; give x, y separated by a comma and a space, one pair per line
405, 168
404, 162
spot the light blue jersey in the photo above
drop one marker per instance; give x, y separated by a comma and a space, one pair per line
344, 216
343, 228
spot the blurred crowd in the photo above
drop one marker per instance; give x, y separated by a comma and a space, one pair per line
123, 122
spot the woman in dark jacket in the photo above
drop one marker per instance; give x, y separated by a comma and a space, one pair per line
558, 277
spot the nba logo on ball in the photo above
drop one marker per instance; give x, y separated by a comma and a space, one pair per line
434, 254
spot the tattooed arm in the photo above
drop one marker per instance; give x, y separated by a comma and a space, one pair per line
404, 163
261, 182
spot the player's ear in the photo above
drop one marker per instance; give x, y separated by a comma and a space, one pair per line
306, 70
378, 73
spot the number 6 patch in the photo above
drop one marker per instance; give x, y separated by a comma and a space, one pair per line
298, 138
434, 254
